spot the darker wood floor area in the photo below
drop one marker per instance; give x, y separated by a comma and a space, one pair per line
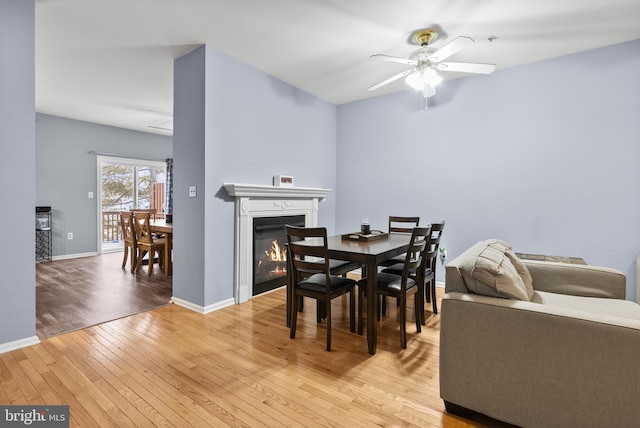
77, 293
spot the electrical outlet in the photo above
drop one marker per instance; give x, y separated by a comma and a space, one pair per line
70, 235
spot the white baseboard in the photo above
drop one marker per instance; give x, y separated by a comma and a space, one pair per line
74, 256
17, 344
202, 309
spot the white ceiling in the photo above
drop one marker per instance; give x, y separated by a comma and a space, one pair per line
111, 61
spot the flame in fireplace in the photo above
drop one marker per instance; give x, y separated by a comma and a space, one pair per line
275, 259
276, 254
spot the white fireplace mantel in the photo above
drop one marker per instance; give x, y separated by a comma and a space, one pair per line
263, 191
255, 200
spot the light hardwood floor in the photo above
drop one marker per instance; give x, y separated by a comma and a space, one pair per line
233, 367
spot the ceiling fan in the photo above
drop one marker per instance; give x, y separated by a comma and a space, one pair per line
428, 61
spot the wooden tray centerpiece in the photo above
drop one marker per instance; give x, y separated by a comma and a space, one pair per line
359, 236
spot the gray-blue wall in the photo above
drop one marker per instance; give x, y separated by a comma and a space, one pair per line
255, 127
544, 156
17, 170
189, 170
66, 173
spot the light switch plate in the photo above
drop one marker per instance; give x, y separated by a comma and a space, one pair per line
192, 191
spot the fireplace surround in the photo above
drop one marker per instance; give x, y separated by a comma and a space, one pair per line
252, 201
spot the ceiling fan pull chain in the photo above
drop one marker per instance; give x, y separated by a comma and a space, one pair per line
424, 104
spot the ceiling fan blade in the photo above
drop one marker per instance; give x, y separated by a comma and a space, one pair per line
391, 79
395, 59
466, 67
450, 48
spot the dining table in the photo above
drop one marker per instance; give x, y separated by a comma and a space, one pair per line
166, 229
368, 254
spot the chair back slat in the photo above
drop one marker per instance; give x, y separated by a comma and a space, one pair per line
399, 224
152, 211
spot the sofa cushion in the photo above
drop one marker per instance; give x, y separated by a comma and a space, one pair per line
490, 272
522, 270
592, 305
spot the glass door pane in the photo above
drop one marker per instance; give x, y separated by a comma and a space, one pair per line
126, 184
151, 188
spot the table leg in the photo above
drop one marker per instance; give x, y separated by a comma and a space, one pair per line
372, 306
168, 245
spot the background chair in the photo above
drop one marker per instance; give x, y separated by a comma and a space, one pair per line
400, 225
311, 276
130, 241
401, 286
146, 242
152, 211
153, 215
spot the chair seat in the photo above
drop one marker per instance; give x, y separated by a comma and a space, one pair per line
394, 260
388, 283
397, 270
156, 243
317, 283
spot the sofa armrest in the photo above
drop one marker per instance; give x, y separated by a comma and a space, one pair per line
533, 365
577, 280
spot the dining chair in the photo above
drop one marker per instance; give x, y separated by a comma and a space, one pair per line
336, 267
153, 215
311, 276
130, 241
427, 272
399, 224
147, 244
430, 269
401, 286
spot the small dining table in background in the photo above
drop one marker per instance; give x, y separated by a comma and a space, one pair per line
161, 226
369, 254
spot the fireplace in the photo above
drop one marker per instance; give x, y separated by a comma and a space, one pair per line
269, 255
254, 201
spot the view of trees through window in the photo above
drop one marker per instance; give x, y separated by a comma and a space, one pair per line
128, 185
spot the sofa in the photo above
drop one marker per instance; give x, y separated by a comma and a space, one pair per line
538, 344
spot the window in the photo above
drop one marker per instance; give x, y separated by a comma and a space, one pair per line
125, 184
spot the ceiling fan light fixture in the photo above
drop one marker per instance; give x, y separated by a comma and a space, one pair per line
421, 78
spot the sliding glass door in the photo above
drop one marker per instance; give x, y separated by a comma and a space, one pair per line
124, 184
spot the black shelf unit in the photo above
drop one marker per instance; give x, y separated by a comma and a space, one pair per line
44, 241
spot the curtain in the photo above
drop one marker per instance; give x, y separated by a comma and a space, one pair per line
169, 187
